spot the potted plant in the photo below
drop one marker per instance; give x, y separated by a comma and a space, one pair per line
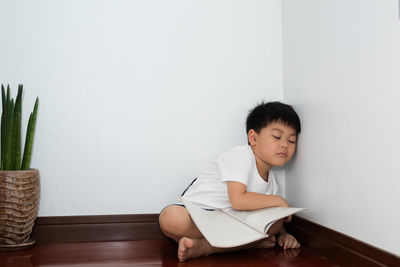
19, 185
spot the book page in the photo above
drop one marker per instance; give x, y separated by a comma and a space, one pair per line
262, 218
220, 229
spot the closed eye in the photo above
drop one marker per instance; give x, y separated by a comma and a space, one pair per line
277, 137
292, 142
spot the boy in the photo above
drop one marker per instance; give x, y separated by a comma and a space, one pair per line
240, 178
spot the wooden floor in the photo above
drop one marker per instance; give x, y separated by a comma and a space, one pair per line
151, 253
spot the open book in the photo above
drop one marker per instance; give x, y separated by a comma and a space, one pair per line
226, 228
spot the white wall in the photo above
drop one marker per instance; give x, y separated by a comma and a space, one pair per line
136, 96
342, 73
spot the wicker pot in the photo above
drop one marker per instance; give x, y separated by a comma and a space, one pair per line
19, 202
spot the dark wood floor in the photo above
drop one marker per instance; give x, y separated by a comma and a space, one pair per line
151, 253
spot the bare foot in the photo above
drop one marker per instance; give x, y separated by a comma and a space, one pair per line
192, 248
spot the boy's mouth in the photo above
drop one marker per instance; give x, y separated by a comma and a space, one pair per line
283, 155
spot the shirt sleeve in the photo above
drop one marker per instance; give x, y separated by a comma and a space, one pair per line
235, 165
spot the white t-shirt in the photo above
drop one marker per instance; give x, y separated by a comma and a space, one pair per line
237, 164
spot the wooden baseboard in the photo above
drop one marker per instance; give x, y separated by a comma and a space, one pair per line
337, 247
96, 228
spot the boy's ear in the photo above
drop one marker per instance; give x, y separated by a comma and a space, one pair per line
252, 137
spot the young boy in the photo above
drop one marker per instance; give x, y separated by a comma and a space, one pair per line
240, 178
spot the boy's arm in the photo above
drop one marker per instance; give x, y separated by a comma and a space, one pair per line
243, 200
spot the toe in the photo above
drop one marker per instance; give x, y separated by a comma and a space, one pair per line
184, 245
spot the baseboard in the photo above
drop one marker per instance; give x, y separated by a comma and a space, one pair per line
337, 247
96, 228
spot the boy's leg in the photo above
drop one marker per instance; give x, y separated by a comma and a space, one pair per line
175, 222
274, 230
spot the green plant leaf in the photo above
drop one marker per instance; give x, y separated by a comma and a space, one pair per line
26, 160
16, 149
9, 137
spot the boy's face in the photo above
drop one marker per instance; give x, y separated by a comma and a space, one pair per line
274, 145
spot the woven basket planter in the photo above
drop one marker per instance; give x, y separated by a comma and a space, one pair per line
19, 203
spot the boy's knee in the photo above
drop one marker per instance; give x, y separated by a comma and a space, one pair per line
172, 219
164, 219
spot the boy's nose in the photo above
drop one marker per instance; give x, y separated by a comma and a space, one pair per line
284, 145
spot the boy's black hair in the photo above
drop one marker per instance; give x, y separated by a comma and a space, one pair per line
265, 113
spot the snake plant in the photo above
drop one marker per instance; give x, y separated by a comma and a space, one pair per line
11, 132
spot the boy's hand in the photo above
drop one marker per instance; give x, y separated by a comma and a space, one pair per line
286, 240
